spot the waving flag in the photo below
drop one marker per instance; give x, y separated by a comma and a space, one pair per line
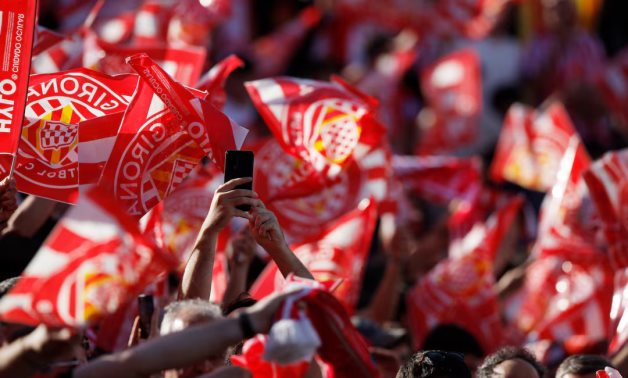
306, 215
327, 125
531, 145
453, 89
211, 129
17, 24
339, 254
214, 80
44, 39
47, 161
95, 261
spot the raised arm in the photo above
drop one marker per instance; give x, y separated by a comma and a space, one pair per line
197, 276
268, 234
240, 255
7, 201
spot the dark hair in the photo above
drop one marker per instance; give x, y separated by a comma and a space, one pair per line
582, 364
486, 370
434, 364
7, 285
452, 338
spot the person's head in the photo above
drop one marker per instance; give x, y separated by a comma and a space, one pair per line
559, 15
452, 338
180, 315
581, 366
434, 364
511, 362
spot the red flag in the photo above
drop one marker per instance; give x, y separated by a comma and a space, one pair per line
152, 154
438, 178
65, 55
340, 253
47, 161
531, 145
94, 261
44, 39
607, 180
307, 214
619, 315
453, 89
469, 18
214, 132
252, 360
151, 23
184, 64
17, 24
214, 80
327, 125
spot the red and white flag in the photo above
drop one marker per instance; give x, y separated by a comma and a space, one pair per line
151, 23
453, 90
214, 80
151, 156
607, 180
339, 254
47, 160
307, 215
65, 54
531, 145
440, 178
94, 262
327, 125
17, 25
211, 129
44, 39
468, 18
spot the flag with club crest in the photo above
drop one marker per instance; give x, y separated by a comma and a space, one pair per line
531, 145
17, 24
613, 83
95, 261
305, 216
214, 80
452, 87
211, 129
326, 125
440, 178
151, 156
339, 254
47, 159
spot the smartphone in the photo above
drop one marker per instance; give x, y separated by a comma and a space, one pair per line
239, 164
146, 307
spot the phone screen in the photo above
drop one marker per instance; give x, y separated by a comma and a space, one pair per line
239, 164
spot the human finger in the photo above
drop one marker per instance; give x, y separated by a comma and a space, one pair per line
231, 184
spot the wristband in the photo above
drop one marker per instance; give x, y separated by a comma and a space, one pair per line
245, 326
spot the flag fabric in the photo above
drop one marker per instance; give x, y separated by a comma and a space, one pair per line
17, 24
252, 360
183, 63
211, 129
214, 80
327, 125
339, 254
452, 87
151, 156
47, 160
439, 178
619, 315
151, 23
94, 262
531, 145
306, 215
64, 55
44, 39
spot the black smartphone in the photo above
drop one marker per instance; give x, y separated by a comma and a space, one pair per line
239, 164
146, 307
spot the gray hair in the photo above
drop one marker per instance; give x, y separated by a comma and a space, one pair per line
179, 315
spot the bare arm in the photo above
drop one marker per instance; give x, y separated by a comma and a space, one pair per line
268, 234
197, 276
7, 201
30, 216
181, 349
240, 254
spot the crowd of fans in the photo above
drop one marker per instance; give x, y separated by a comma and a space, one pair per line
534, 53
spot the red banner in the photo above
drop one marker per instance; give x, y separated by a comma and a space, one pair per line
214, 80
211, 129
340, 253
453, 90
17, 25
47, 161
96, 138
93, 262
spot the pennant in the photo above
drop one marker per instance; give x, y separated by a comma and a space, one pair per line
47, 160
94, 262
440, 179
531, 145
327, 125
17, 24
453, 89
212, 130
339, 254
214, 80
151, 156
